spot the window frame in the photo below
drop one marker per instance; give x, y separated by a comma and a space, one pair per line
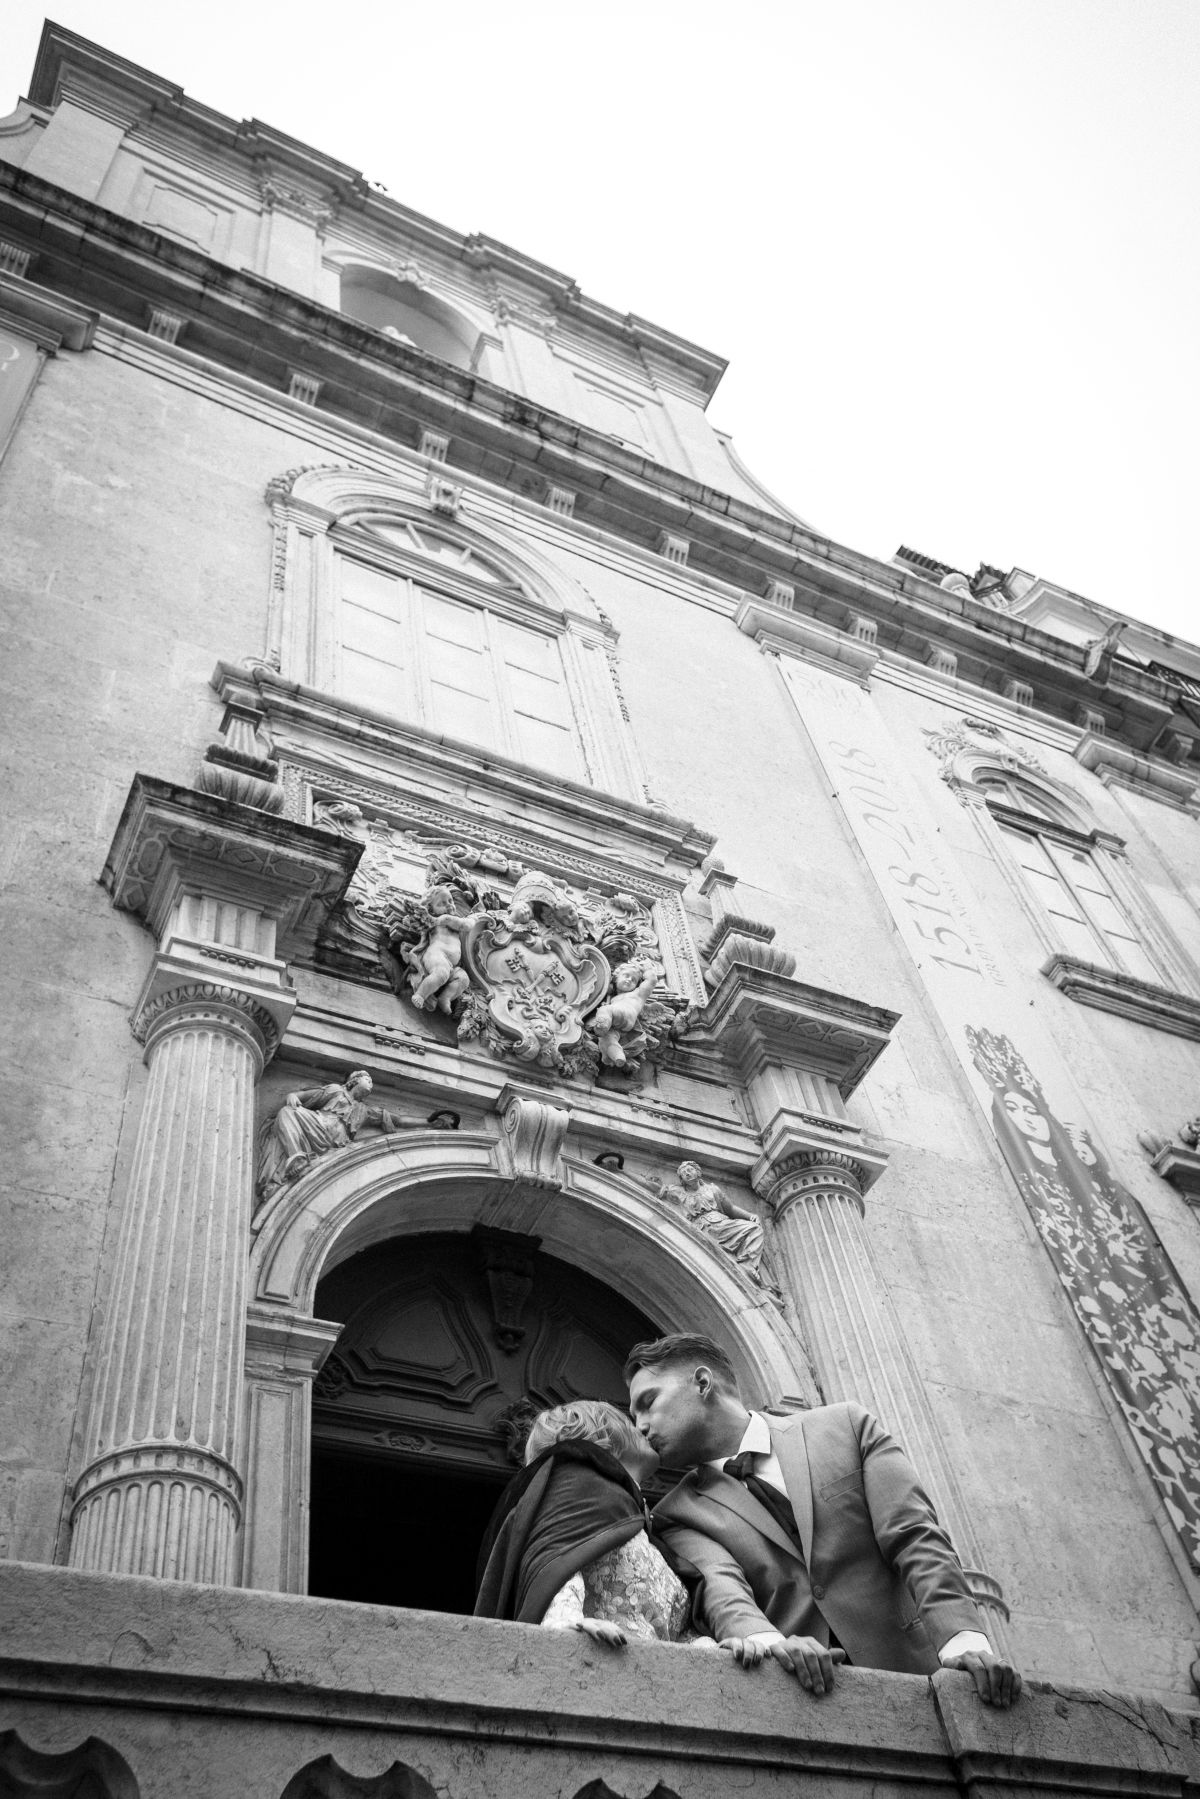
421, 577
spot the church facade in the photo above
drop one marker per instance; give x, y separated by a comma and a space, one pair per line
486, 883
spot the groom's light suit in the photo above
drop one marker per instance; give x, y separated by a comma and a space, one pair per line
874, 1565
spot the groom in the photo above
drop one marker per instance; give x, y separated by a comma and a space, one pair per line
812, 1538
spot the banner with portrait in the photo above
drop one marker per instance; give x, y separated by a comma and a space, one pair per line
1137, 1318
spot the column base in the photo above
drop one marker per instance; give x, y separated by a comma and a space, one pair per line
162, 1509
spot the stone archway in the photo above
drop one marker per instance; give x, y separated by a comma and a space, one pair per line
378, 1192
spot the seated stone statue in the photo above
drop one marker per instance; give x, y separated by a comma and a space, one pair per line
314, 1120
709, 1208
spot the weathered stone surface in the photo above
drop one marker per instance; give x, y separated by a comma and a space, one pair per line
244, 1689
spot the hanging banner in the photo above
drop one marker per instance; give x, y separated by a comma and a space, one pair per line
1139, 1322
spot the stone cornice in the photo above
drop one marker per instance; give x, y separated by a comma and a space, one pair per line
1117, 766
170, 839
758, 1017
1109, 991
63, 56
647, 838
237, 321
45, 316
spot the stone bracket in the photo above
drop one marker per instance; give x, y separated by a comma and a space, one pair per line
532, 1133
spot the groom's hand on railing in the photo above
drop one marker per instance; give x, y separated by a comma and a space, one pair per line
811, 1662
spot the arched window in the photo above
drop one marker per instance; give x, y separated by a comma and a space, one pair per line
394, 605
410, 315
429, 629
1071, 874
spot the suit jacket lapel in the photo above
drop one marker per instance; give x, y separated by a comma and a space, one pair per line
723, 1490
787, 1440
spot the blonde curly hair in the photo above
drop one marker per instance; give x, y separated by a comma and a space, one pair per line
587, 1420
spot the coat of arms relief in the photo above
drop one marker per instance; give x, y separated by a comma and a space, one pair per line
563, 978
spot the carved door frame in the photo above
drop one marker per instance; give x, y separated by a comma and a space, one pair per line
438, 1182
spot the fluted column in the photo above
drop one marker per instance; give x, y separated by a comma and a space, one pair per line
858, 1348
159, 1494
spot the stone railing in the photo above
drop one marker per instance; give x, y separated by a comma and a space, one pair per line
151, 1687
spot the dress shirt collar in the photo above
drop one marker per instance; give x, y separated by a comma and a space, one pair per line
756, 1440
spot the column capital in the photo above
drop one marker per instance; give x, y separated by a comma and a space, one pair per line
194, 1005
812, 1173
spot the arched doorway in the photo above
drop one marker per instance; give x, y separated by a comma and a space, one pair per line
417, 1415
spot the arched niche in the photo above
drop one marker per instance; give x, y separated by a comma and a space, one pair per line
382, 1192
408, 313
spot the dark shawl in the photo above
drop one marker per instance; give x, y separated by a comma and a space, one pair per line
571, 1505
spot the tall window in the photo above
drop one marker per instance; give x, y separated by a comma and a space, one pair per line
427, 629
1067, 877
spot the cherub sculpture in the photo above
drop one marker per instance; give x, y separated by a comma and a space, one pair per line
616, 1022
427, 936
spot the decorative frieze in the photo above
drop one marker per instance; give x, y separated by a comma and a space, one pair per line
780, 593
674, 549
1019, 692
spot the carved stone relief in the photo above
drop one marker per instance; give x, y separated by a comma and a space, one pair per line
707, 1207
567, 979
314, 1122
961, 747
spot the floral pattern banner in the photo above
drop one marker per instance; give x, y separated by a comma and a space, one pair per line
1139, 1321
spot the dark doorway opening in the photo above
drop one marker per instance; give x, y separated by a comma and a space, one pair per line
388, 1532
448, 1341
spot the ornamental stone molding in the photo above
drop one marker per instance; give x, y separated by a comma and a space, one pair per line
799, 1052
173, 844
205, 1004
1116, 765
733, 937
1109, 990
791, 633
971, 745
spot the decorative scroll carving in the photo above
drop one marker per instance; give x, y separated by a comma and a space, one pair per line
315, 1120
709, 1209
960, 751
507, 1261
533, 1133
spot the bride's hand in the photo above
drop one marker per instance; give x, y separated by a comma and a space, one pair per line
747, 1650
601, 1631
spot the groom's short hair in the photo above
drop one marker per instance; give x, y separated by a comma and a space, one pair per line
679, 1350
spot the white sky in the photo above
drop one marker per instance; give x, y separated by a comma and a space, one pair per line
949, 247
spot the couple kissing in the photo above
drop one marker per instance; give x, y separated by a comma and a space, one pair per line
804, 1537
